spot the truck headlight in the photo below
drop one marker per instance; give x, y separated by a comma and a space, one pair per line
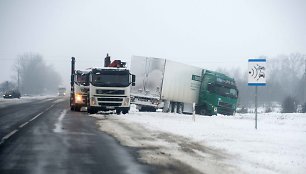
126, 101
93, 101
78, 98
215, 109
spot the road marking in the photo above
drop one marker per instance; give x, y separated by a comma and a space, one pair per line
21, 126
58, 125
7, 136
10, 134
36, 116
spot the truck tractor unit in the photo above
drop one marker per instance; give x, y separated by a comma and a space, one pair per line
79, 87
174, 87
218, 94
109, 88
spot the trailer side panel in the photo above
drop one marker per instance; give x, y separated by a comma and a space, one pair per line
181, 82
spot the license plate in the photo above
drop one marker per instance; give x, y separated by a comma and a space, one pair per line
110, 107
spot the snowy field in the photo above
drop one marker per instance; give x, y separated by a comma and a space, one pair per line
278, 146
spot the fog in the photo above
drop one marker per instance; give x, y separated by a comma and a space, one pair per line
209, 34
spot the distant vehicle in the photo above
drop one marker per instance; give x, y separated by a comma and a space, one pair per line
12, 94
174, 87
79, 87
61, 91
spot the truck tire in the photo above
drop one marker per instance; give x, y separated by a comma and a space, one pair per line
118, 111
125, 111
153, 109
77, 108
91, 111
203, 111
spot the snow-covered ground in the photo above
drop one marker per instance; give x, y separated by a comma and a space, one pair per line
277, 146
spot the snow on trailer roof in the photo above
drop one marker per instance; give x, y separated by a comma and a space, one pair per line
83, 71
109, 68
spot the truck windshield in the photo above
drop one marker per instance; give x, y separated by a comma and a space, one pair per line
110, 80
82, 79
224, 91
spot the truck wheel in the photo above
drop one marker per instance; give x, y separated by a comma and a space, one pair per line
153, 109
118, 111
125, 111
72, 108
77, 108
203, 112
91, 111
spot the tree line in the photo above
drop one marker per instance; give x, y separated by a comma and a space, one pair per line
33, 76
286, 78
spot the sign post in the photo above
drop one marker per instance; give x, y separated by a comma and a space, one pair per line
257, 77
193, 113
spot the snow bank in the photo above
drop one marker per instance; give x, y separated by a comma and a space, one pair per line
23, 99
278, 146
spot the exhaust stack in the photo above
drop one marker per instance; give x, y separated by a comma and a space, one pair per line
72, 70
107, 60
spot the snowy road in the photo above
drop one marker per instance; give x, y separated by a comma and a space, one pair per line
218, 144
15, 113
46, 137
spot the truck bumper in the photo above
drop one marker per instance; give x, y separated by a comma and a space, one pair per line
225, 111
105, 108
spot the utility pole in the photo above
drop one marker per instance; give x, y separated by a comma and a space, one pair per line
256, 100
18, 81
304, 86
7, 86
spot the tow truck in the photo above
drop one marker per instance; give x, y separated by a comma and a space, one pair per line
79, 87
109, 87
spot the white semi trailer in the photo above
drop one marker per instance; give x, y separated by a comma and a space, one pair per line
175, 86
164, 84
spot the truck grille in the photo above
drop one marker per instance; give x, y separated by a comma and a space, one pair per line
106, 91
110, 99
226, 105
110, 104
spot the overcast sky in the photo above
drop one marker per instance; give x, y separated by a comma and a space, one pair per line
209, 34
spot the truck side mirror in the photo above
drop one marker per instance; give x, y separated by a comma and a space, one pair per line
133, 80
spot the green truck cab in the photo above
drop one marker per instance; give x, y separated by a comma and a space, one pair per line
218, 94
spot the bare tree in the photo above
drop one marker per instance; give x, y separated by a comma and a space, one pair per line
35, 76
289, 105
284, 78
6, 86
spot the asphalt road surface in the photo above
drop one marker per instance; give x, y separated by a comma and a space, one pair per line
44, 136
